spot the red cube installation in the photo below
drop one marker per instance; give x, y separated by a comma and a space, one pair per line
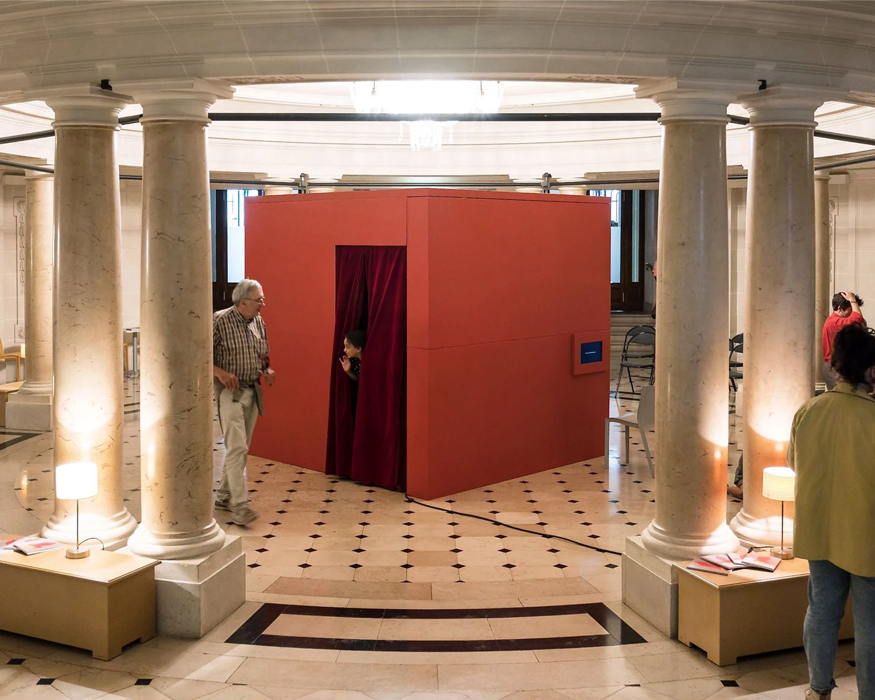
507, 326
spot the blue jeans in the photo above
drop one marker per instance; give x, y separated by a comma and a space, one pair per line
828, 589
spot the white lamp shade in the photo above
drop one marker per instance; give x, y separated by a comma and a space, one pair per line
779, 483
75, 480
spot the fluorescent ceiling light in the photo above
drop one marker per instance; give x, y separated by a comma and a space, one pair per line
427, 96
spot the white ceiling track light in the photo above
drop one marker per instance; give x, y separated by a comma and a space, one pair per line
427, 97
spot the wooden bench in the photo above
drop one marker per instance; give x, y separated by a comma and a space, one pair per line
746, 612
99, 603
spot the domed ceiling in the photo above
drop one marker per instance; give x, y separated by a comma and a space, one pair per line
550, 56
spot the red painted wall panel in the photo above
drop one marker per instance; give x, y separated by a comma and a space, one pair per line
497, 285
487, 422
502, 270
290, 249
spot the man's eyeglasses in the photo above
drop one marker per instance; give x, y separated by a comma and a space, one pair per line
260, 300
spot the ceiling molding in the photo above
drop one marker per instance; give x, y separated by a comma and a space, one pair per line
47, 43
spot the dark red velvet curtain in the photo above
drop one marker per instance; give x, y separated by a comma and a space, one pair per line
350, 313
380, 446
376, 419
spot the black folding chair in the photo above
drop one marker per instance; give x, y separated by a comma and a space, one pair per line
736, 366
639, 353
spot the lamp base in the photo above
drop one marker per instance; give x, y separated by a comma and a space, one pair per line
78, 553
782, 553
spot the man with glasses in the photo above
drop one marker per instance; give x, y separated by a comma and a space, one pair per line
240, 359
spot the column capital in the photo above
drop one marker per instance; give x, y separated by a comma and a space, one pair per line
821, 175
692, 100
178, 100
787, 105
83, 105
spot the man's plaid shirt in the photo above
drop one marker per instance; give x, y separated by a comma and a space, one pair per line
239, 346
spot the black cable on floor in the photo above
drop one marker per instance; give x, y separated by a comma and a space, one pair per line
512, 527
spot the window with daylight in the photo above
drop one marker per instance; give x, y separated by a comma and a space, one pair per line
227, 218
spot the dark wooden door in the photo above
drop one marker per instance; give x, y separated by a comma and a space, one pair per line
221, 293
627, 248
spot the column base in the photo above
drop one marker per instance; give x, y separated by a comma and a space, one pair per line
650, 587
113, 531
174, 546
761, 532
195, 595
29, 411
672, 546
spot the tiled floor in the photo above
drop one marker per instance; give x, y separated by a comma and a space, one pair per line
355, 593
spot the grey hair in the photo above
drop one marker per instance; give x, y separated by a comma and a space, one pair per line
241, 291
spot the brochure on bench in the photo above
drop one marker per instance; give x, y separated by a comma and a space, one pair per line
29, 545
725, 563
761, 561
729, 562
702, 565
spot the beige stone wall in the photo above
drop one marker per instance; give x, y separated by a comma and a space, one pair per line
12, 197
11, 293
852, 226
132, 226
852, 246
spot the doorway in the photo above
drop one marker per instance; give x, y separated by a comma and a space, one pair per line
367, 415
228, 227
627, 248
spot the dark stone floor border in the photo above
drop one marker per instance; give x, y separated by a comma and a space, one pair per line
252, 631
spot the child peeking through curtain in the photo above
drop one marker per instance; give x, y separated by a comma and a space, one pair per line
351, 361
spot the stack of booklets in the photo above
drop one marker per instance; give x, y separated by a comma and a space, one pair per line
722, 564
29, 545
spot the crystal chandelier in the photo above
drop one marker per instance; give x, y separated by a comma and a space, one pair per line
427, 97
427, 135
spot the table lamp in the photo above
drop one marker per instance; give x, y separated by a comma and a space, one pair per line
73, 482
779, 484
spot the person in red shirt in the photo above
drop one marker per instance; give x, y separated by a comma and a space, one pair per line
845, 312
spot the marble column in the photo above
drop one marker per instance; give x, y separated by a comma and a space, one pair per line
779, 315
822, 295
30, 408
87, 338
176, 379
692, 372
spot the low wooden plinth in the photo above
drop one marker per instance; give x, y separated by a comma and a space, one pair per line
99, 603
746, 612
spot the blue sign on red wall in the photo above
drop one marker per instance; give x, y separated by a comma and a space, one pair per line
590, 352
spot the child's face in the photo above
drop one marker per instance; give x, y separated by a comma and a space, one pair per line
351, 350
